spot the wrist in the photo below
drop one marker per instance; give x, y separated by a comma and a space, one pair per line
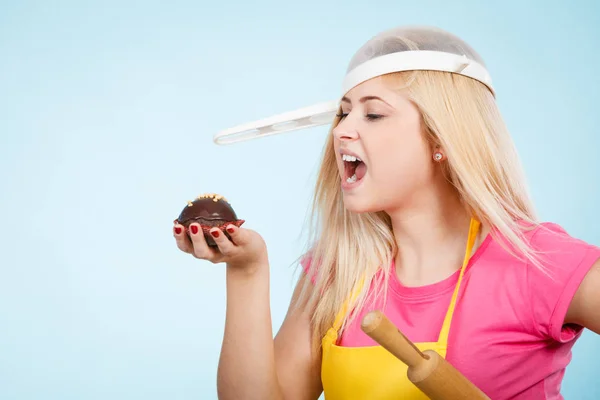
247, 269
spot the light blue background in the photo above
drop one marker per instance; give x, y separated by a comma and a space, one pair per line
107, 111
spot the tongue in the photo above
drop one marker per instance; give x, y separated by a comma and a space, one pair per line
361, 170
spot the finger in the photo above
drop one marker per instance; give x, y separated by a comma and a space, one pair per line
238, 236
226, 247
200, 247
181, 238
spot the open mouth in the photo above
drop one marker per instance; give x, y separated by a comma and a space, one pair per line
354, 169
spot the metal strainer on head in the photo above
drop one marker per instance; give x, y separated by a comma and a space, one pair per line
394, 50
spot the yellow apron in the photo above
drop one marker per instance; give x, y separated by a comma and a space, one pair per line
372, 373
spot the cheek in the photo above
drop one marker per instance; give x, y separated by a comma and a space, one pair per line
402, 156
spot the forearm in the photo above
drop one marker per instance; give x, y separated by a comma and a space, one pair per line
247, 364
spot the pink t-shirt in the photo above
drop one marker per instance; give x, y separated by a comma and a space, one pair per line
507, 334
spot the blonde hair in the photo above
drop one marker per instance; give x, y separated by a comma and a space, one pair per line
459, 114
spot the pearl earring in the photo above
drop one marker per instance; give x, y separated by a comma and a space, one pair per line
438, 156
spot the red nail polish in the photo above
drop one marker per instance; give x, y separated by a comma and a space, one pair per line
194, 229
215, 233
177, 230
230, 229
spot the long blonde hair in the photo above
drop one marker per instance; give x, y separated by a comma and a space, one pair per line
459, 114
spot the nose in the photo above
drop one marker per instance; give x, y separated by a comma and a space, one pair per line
344, 132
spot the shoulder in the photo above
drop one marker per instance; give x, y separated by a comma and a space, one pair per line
552, 247
559, 253
547, 235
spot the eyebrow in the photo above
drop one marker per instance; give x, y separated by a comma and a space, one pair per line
365, 99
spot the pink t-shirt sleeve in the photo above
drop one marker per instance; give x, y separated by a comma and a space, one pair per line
566, 261
309, 269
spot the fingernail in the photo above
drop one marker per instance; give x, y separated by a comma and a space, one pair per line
215, 233
230, 229
194, 229
177, 230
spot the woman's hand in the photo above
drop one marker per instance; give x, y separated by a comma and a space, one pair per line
245, 251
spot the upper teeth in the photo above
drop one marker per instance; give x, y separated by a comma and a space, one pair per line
347, 157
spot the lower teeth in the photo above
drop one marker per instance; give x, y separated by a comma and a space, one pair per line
352, 179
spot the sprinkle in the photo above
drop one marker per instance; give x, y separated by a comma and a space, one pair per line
215, 197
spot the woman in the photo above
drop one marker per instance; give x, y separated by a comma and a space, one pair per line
423, 213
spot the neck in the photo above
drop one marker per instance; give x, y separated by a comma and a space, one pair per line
431, 238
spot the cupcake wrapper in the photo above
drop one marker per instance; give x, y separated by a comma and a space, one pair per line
206, 228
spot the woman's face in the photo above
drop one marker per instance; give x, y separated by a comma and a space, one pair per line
382, 155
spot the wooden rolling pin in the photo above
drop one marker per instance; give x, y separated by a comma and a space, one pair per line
427, 370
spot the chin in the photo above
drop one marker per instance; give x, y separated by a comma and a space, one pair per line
371, 200
358, 205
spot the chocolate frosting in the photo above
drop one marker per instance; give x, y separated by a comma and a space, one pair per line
207, 210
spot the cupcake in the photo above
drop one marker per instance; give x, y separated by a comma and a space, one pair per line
209, 210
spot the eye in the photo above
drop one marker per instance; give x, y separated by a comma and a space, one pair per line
370, 117
373, 117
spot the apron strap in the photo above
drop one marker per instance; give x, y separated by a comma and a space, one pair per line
473, 230
339, 318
